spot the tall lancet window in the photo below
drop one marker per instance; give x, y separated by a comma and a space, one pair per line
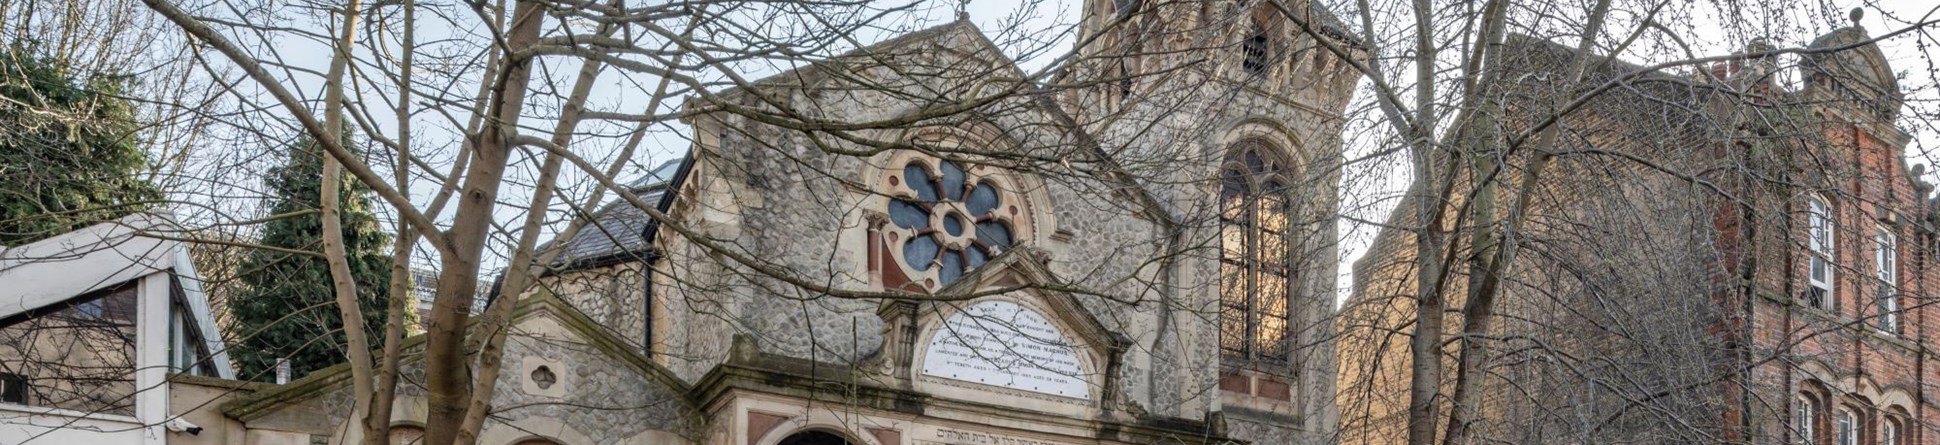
1255, 274
1254, 51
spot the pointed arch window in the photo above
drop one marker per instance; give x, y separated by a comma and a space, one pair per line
1254, 51
1256, 277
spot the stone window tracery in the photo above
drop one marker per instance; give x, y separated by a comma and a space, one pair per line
945, 220
1255, 274
1254, 51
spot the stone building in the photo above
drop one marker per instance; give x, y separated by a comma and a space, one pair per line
1139, 249
1711, 256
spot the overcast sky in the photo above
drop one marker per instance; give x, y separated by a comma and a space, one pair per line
1038, 31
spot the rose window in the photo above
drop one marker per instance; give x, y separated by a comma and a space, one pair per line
950, 221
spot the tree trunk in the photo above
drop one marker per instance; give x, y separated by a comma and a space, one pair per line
378, 423
518, 274
447, 378
342, 282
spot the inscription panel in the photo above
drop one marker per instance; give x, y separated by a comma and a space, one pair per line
950, 436
1004, 344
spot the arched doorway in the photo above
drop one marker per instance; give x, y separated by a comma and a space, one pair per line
406, 435
814, 437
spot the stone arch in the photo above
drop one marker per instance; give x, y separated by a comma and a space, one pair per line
409, 411
814, 437
406, 433
816, 421
535, 427
976, 133
1285, 143
536, 440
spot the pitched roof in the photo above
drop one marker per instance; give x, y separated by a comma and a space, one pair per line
619, 231
543, 303
1532, 71
55, 270
869, 54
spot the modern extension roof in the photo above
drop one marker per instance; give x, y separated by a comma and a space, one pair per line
55, 270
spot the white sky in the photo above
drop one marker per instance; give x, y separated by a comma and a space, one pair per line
1054, 21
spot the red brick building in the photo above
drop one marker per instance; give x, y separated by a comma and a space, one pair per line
1839, 321
1731, 254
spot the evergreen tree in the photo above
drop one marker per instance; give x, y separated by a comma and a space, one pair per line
69, 155
285, 306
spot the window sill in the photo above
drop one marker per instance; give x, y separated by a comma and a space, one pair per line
67, 413
1259, 392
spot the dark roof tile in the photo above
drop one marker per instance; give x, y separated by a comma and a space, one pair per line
620, 231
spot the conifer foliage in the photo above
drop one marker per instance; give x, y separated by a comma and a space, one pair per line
285, 307
69, 151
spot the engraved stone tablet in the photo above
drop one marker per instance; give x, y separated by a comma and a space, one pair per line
1000, 343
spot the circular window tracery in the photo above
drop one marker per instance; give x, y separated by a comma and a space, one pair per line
950, 220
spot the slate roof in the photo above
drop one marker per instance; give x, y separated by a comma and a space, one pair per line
621, 232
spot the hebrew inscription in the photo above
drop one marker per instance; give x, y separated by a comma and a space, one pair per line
1000, 343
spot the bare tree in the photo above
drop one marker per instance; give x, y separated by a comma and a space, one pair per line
1563, 218
1516, 132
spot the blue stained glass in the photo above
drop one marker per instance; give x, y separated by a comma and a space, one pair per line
919, 179
920, 251
982, 199
953, 224
994, 233
981, 203
908, 215
977, 256
952, 267
954, 181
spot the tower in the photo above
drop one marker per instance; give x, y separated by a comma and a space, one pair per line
1233, 112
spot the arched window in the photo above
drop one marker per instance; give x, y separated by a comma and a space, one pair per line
1805, 420
1889, 430
1255, 275
1820, 244
945, 221
406, 435
1255, 51
813, 437
1886, 260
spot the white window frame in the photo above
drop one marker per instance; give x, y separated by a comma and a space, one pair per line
1847, 427
1805, 420
1886, 259
1821, 245
1889, 431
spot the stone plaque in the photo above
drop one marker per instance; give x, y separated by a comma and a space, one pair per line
1004, 344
